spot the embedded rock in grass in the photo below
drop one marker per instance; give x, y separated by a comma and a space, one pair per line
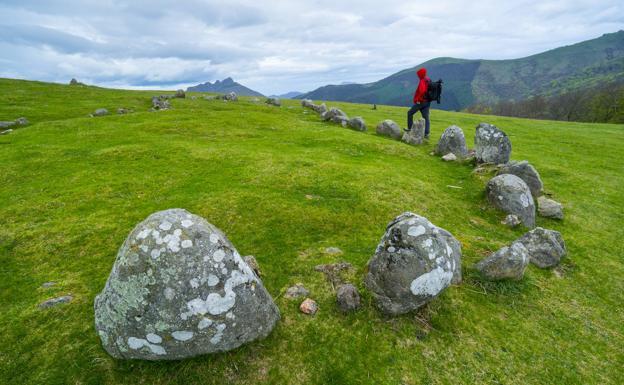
545, 247
180, 94
320, 109
160, 103
357, 123
416, 135
73, 82
273, 101
450, 157
307, 103
336, 115
389, 128
511, 221
348, 298
510, 262
6, 124
414, 262
452, 141
549, 208
179, 289
296, 291
525, 171
55, 301
231, 96
22, 121
509, 193
491, 145
100, 112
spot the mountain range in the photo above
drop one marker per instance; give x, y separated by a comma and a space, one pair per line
468, 82
223, 87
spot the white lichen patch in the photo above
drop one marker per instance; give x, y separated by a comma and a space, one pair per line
214, 238
391, 249
431, 283
449, 250
204, 323
144, 233
165, 225
169, 293
427, 243
415, 231
194, 283
524, 199
218, 255
212, 280
182, 335
187, 243
153, 338
138, 343
186, 223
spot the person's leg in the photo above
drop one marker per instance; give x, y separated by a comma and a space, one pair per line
410, 116
425, 114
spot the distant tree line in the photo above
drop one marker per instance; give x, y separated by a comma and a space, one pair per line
604, 104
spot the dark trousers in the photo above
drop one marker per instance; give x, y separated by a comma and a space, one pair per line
424, 110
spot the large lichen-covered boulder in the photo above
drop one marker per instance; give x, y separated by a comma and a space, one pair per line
178, 289
357, 123
509, 193
414, 262
389, 128
525, 171
546, 247
416, 135
492, 145
510, 262
452, 141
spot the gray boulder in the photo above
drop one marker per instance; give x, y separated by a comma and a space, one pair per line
491, 144
357, 123
55, 301
414, 262
509, 193
546, 247
180, 94
232, 96
507, 263
160, 103
389, 128
452, 141
6, 124
450, 157
525, 171
307, 103
73, 82
335, 115
348, 298
273, 102
22, 121
320, 108
179, 289
416, 135
549, 208
100, 112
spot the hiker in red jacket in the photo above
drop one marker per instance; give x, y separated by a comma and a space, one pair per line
420, 102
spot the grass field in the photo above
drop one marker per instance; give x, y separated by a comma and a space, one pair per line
73, 187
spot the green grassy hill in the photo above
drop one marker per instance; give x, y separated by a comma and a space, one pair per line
283, 186
466, 82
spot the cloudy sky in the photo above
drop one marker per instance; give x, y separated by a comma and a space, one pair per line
280, 45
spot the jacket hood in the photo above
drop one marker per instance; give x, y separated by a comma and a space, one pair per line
422, 73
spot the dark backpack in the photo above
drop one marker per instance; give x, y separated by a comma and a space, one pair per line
434, 91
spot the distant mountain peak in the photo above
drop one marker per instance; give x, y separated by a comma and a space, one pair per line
224, 86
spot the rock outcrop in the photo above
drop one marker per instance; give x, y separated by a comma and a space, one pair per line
178, 289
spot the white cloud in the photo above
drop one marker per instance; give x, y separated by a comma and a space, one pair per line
277, 46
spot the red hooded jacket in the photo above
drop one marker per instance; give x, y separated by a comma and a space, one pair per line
421, 90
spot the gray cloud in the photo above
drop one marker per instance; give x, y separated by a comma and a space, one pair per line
279, 45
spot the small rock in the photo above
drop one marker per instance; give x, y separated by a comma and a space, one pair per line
296, 291
55, 301
450, 157
506, 263
231, 96
509, 193
273, 102
511, 221
160, 103
333, 251
307, 103
389, 128
546, 247
253, 264
549, 208
525, 171
122, 111
348, 298
416, 135
6, 132
308, 306
21, 121
100, 112
452, 141
492, 145
180, 94
73, 82
46, 285
357, 123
